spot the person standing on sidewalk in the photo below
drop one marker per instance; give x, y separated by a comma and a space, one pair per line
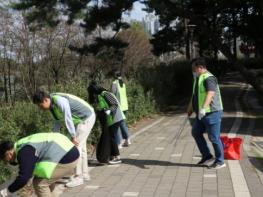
78, 117
108, 105
46, 156
206, 102
118, 88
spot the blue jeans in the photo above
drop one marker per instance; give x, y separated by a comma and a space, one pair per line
211, 124
123, 132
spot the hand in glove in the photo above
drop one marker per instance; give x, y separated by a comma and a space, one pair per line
201, 113
107, 112
4, 193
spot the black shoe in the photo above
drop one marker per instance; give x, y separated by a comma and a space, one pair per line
205, 160
217, 166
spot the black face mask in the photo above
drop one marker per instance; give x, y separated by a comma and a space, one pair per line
13, 163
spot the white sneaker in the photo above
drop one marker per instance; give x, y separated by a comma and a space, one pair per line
64, 180
114, 161
217, 166
120, 146
75, 182
127, 142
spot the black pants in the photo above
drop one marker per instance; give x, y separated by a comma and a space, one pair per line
113, 129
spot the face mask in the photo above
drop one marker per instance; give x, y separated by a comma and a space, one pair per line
195, 75
13, 163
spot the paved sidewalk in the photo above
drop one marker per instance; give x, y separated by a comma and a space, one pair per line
154, 166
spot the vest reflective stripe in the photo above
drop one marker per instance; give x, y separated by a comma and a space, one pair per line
202, 91
123, 96
50, 148
59, 115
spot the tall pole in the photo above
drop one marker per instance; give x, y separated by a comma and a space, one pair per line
192, 44
187, 41
191, 29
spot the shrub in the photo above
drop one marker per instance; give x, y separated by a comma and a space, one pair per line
141, 103
168, 83
18, 121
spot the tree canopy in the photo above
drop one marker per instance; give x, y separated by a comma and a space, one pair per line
90, 14
217, 24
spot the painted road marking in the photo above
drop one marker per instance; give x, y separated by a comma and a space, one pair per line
130, 194
238, 179
176, 155
134, 155
92, 187
209, 175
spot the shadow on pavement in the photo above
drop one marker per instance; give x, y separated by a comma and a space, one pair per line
257, 162
144, 164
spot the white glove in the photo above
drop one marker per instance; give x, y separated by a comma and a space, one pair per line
107, 112
4, 193
201, 113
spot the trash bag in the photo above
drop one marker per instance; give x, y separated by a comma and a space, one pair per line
103, 149
231, 147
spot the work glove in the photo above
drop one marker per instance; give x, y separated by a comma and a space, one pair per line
107, 112
201, 113
4, 193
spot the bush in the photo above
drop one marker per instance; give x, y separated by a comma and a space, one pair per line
218, 67
252, 63
168, 83
141, 103
75, 87
18, 121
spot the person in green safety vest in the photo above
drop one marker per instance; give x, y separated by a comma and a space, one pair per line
118, 88
79, 118
46, 157
206, 102
108, 104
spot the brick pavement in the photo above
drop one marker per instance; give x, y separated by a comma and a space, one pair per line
153, 166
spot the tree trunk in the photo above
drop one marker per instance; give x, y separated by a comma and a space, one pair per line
234, 34
9, 81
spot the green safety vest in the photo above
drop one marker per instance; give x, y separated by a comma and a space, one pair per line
202, 92
57, 112
50, 149
123, 96
103, 105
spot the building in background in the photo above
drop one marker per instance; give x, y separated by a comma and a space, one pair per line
151, 23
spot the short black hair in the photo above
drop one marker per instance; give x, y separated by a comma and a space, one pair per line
5, 146
200, 61
117, 74
39, 97
93, 90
